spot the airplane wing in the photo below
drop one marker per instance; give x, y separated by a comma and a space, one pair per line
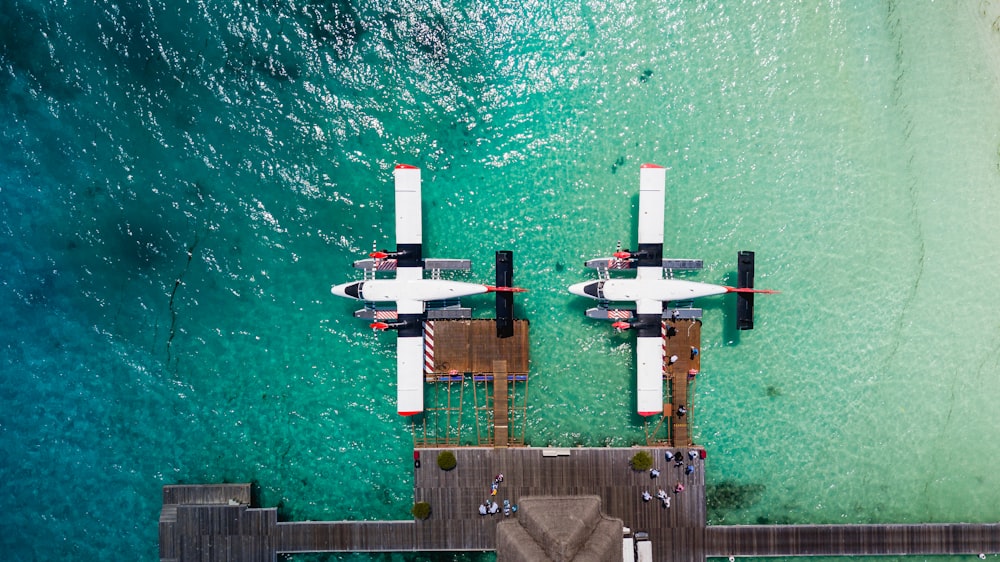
649, 344
409, 266
652, 195
409, 225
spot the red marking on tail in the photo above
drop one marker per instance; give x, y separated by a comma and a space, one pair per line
748, 290
622, 255
378, 326
492, 289
621, 325
378, 255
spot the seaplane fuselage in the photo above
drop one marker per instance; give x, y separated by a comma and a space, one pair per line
649, 290
656, 291
403, 290
409, 291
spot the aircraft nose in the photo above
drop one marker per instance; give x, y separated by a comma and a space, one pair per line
581, 289
347, 290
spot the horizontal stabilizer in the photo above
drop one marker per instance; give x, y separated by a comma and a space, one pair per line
505, 299
744, 299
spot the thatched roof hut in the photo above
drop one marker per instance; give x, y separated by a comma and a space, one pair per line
560, 529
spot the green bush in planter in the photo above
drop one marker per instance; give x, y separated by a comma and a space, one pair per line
447, 461
641, 461
421, 510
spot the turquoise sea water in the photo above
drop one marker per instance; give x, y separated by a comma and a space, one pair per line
180, 184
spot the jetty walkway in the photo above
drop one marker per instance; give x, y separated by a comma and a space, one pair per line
217, 522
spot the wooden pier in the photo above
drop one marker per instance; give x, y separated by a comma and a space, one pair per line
217, 522
681, 337
470, 363
471, 346
209, 523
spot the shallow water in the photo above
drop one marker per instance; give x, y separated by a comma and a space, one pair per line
182, 184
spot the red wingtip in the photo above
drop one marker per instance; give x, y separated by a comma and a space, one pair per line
409, 413
405, 167
647, 414
492, 289
648, 165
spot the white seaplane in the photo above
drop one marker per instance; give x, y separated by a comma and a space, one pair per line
650, 290
413, 296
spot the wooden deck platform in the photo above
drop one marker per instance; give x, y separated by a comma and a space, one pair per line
211, 532
501, 417
686, 334
209, 523
852, 540
672, 429
471, 346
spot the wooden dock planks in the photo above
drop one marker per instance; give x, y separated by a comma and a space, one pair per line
852, 540
686, 334
500, 417
223, 531
471, 346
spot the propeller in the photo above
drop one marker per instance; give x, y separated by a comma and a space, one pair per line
621, 254
621, 325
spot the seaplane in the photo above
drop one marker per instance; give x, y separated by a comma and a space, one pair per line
650, 290
404, 302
